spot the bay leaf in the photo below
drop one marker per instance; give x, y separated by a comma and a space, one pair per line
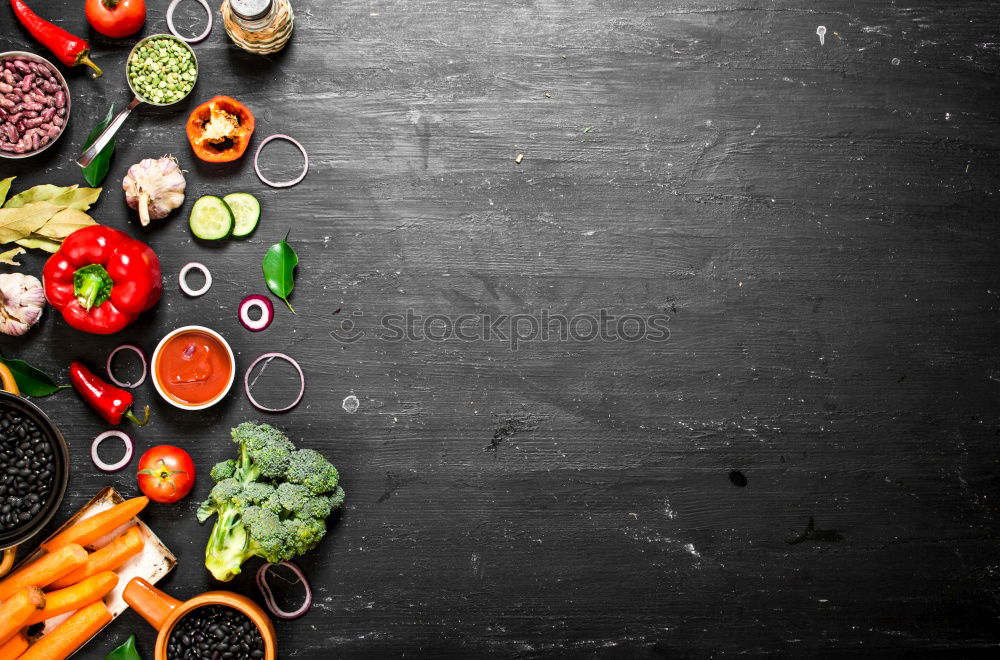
35, 243
9, 257
19, 222
5, 187
279, 265
73, 197
64, 223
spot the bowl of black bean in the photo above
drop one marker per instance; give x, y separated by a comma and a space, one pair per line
34, 469
215, 625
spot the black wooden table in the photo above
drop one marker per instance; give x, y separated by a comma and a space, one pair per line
803, 457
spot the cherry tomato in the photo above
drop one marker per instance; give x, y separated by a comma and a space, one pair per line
166, 474
116, 18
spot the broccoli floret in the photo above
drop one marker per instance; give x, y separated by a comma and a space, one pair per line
311, 469
223, 470
264, 447
305, 533
271, 501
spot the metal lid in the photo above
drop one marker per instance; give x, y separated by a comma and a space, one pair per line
251, 10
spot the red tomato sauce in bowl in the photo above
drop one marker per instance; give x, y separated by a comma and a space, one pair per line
193, 367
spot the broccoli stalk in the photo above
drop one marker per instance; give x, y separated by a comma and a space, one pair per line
271, 502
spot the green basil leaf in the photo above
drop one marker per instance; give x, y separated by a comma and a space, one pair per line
31, 381
94, 173
5, 187
279, 269
126, 651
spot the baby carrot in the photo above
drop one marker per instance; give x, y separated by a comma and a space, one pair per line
72, 598
108, 558
70, 635
17, 645
16, 610
45, 570
90, 529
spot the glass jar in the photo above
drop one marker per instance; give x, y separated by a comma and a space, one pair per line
258, 26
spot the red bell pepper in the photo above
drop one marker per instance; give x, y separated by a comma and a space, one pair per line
111, 402
101, 279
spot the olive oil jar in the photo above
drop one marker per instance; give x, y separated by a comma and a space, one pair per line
258, 26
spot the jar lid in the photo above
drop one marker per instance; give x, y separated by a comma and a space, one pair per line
250, 10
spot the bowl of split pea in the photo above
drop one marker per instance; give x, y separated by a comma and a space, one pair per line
161, 69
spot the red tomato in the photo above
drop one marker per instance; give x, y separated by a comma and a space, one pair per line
166, 474
116, 18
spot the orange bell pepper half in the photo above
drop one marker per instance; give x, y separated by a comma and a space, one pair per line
219, 130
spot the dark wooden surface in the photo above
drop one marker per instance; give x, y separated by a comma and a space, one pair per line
819, 223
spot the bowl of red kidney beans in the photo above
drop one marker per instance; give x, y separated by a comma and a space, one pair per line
34, 104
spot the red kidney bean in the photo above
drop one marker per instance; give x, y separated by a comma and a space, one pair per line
16, 117
60, 99
48, 114
31, 105
11, 132
21, 66
33, 122
5, 88
58, 121
26, 82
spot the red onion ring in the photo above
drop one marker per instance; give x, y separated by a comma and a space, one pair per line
182, 279
281, 184
112, 467
265, 590
266, 312
269, 357
173, 30
142, 358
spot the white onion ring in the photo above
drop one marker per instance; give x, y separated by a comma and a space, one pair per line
266, 313
281, 184
182, 279
142, 358
112, 467
265, 590
173, 30
269, 357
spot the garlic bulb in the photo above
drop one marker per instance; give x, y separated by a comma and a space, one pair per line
155, 187
22, 301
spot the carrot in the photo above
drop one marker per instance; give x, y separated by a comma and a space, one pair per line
16, 610
15, 647
108, 558
45, 570
90, 529
70, 635
72, 598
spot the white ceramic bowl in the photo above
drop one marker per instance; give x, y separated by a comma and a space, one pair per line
62, 82
155, 376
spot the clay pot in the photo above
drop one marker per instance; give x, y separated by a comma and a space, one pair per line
163, 612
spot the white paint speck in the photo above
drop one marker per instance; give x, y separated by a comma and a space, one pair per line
821, 32
690, 548
351, 404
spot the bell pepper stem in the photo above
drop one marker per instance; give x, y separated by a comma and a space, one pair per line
141, 422
92, 285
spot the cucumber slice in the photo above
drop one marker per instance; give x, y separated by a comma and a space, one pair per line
211, 219
246, 212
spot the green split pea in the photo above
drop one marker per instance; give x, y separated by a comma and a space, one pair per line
162, 70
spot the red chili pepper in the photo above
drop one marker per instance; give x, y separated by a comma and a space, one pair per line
110, 401
70, 49
101, 280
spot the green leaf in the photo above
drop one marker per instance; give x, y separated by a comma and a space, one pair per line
94, 173
5, 187
279, 269
31, 381
126, 651
73, 197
